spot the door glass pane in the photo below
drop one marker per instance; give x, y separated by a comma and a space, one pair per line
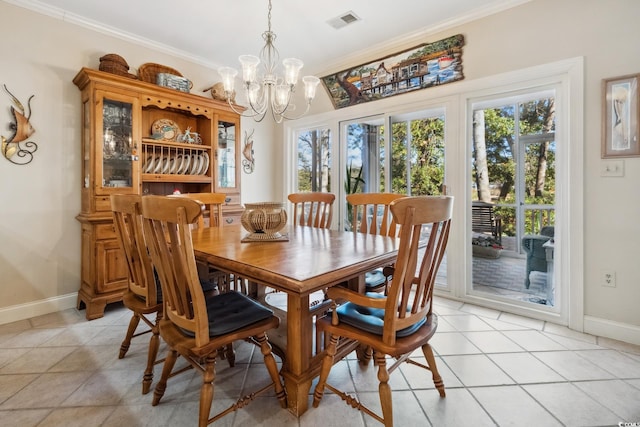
226, 155
365, 155
314, 160
539, 173
86, 144
417, 162
537, 116
513, 196
427, 156
117, 167
363, 140
399, 137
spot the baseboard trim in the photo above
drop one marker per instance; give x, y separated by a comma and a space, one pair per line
611, 329
28, 310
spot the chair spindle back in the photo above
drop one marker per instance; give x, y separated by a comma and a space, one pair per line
366, 215
312, 209
410, 292
127, 221
167, 226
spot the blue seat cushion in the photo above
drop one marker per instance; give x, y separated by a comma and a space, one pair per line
374, 279
231, 311
371, 319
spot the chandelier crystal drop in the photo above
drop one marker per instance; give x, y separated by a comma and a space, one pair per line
269, 91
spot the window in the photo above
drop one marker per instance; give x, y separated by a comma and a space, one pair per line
314, 160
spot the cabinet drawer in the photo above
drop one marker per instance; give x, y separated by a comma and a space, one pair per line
103, 203
232, 199
231, 218
105, 232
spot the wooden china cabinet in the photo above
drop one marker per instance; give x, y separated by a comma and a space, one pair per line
141, 138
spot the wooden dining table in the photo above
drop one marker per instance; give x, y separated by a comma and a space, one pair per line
310, 259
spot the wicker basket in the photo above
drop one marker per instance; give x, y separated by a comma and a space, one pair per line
149, 72
264, 220
115, 64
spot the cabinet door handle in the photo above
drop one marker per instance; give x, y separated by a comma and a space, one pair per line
229, 220
227, 199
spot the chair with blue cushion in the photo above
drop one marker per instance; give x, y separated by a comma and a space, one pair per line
195, 326
402, 321
536, 253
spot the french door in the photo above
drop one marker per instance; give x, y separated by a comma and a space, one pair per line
513, 173
392, 156
400, 153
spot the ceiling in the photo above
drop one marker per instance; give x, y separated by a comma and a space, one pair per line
215, 32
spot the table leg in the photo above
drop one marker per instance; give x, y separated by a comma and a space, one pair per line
299, 343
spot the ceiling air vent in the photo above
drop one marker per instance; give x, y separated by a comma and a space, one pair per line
343, 20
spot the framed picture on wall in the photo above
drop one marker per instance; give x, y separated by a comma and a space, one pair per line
620, 121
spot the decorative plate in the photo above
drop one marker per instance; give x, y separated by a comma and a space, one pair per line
166, 164
179, 164
173, 163
200, 164
197, 162
158, 165
205, 165
186, 162
149, 164
165, 129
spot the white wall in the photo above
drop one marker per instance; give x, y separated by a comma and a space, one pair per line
606, 34
39, 235
40, 239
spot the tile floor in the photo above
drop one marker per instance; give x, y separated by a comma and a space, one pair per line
498, 369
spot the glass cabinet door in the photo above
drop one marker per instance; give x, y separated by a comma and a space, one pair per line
119, 145
226, 155
86, 144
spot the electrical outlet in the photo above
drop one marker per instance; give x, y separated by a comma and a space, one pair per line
609, 278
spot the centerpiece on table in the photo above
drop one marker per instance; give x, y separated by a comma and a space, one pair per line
264, 221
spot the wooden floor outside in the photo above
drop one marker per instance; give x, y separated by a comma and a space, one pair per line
505, 276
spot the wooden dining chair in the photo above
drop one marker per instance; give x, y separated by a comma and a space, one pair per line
403, 320
142, 296
212, 217
312, 209
370, 214
193, 326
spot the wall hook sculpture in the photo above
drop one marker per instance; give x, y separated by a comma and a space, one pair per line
248, 163
17, 149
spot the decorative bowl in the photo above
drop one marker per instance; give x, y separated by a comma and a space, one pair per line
264, 220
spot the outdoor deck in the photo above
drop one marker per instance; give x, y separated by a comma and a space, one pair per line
505, 276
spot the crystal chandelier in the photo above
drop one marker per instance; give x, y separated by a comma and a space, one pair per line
269, 91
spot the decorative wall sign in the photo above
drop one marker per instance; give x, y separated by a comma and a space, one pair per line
17, 149
620, 117
248, 163
424, 66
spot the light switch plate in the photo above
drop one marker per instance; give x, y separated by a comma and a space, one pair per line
613, 168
